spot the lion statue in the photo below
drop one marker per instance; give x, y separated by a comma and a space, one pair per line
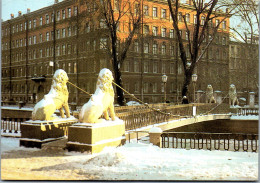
209, 95
57, 98
101, 102
233, 95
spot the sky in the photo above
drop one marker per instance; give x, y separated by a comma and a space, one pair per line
13, 6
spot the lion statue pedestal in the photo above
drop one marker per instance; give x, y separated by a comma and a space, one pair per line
93, 133
45, 126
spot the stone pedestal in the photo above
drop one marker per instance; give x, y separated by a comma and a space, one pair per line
218, 97
251, 100
93, 137
36, 133
199, 96
155, 136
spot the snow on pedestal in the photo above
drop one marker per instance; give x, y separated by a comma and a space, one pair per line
155, 136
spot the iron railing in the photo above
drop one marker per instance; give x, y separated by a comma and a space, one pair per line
210, 141
12, 125
247, 111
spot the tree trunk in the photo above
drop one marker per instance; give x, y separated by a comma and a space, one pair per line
186, 83
120, 94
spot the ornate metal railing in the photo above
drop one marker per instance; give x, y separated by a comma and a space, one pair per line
210, 141
247, 111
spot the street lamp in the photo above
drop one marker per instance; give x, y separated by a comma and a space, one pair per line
194, 78
164, 80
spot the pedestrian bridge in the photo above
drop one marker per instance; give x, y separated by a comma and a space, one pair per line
140, 119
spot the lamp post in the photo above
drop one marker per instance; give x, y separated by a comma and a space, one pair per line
194, 80
164, 80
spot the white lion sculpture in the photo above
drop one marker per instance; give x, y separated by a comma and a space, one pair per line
101, 101
233, 95
209, 95
57, 98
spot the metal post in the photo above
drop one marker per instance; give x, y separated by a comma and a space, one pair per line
165, 92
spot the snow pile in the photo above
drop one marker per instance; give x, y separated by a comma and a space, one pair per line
132, 103
138, 161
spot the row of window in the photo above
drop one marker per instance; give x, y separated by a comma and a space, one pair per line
164, 15
63, 14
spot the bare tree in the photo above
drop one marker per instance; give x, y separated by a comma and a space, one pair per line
112, 13
246, 31
205, 12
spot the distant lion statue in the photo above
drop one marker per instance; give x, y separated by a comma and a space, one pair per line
209, 95
57, 98
233, 95
101, 102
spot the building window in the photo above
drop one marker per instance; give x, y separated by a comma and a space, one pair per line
155, 31
136, 66
69, 49
146, 87
163, 68
146, 10
146, 47
154, 87
155, 67
34, 23
195, 19
58, 34
154, 11
40, 38
17, 28
103, 43
69, 12
47, 52
171, 50
47, 21
21, 42
186, 35
180, 16
163, 49
171, 33
63, 49
63, 14
75, 10
52, 17
136, 46
136, 87
34, 39
69, 31
75, 68
40, 53
224, 41
163, 13
102, 24
58, 16
63, 33
25, 25
187, 17
171, 68
163, 32
40, 21
155, 48
146, 29
47, 36
58, 50
146, 67
21, 27
217, 22
30, 24
126, 66
30, 40
224, 24
202, 20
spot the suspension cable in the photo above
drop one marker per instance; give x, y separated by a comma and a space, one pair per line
79, 88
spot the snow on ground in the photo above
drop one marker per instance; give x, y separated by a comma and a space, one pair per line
133, 161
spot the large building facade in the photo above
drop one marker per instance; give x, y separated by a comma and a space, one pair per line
37, 43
